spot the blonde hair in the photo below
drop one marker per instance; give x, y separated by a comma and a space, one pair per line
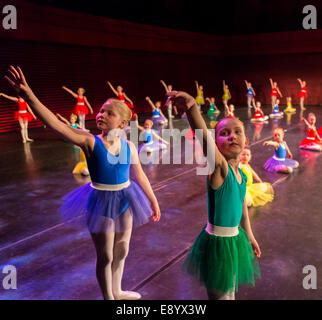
73, 115
123, 110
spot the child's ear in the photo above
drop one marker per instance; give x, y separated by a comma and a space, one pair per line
246, 142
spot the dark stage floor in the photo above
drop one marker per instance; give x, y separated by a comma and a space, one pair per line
57, 261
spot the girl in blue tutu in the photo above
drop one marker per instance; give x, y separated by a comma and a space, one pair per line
158, 118
111, 203
224, 254
279, 162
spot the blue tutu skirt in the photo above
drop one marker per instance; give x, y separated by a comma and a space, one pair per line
158, 119
150, 147
272, 163
103, 210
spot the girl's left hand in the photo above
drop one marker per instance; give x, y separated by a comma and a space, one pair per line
156, 215
290, 156
256, 248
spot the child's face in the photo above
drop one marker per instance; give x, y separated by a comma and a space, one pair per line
231, 108
278, 135
80, 91
304, 83
245, 156
201, 87
73, 120
108, 118
311, 119
170, 87
230, 138
288, 99
275, 84
119, 89
148, 124
258, 104
212, 100
158, 104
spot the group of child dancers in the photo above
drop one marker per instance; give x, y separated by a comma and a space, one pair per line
225, 254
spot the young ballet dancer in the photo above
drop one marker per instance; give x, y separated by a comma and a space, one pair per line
312, 141
226, 96
279, 162
276, 113
81, 166
259, 114
222, 257
151, 141
23, 115
250, 94
212, 106
200, 99
121, 95
158, 118
289, 108
275, 92
169, 88
111, 203
230, 111
303, 93
257, 194
81, 109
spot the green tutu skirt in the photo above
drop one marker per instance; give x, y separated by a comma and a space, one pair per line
222, 263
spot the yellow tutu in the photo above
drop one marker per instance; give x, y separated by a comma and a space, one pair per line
81, 166
199, 99
226, 95
257, 194
290, 109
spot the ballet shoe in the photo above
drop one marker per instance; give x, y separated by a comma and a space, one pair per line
30, 140
128, 295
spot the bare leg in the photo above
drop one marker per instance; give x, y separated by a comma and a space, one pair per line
273, 101
104, 243
302, 103
23, 131
249, 100
26, 130
82, 120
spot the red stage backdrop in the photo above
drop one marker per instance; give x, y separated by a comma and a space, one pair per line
57, 47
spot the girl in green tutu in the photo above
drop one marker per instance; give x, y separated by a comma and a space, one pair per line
225, 253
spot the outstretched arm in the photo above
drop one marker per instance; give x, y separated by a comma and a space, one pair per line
150, 103
143, 182
245, 224
112, 88
164, 85
70, 91
223, 84
159, 138
9, 97
197, 85
271, 143
271, 81
137, 123
18, 82
30, 111
300, 81
246, 83
279, 92
62, 118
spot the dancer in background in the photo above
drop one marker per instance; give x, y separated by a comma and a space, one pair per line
312, 141
275, 92
276, 113
169, 88
111, 203
303, 93
226, 96
259, 114
250, 94
121, 95
230, 111
222, 257
73, 120
257, 194
81, 107
212, 106
200, 99
289, 108
279, 162
158, 118
24, 115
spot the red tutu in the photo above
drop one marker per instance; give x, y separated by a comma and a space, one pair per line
274, 93
81, 109
24, 115
302, 94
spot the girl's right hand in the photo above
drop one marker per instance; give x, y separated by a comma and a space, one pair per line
181, 99
18, 81
156, 215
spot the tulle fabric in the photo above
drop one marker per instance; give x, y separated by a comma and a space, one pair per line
200, 100
81, 109
258, 194
102, 209
272, 163
150, 147
311, 144
221, 264
25, 116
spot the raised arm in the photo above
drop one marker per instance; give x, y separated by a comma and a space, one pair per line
300, 81
196, 121
70, 91
271, 82
246, 83
197, 85
137, 123
150, 103
164, 85
78, 137
112, 88
223, 84
159, 138
8, 97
